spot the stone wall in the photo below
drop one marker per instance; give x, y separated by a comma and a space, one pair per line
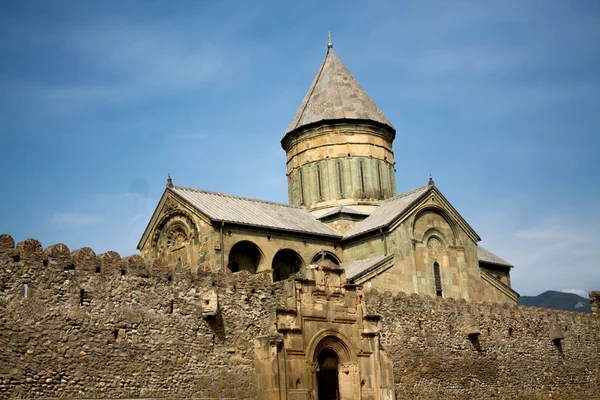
454, 349
77, 325
81, 325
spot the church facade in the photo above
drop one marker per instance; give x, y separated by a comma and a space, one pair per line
343, 210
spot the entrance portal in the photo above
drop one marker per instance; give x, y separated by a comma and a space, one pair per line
327, 376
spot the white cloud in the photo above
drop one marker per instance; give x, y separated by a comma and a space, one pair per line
119, 63
579, 292
548, 253
70, 219
104, 221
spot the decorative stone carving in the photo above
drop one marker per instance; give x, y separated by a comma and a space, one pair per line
348, 368
435, 246
318, 326
170, 204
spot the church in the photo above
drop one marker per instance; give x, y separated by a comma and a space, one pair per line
343, 210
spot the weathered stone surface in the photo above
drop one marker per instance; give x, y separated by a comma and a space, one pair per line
59, 256
77, 332
85, 259
29, 250
7, 243
110, 262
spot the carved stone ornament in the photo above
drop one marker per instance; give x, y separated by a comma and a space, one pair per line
346, 368
435, 246
314, 367
170, 204
176, 238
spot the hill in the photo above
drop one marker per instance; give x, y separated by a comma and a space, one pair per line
557, 301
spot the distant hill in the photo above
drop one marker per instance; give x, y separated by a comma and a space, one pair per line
557, 301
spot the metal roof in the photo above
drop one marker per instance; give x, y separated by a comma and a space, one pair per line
387, 212
342, 210
259, 213
355, 269
335, 94
489, 257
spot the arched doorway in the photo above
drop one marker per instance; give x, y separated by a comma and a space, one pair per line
244, 256
285, 263
327, 255
327, 375
335, 367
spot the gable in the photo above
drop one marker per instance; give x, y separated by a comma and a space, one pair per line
407, 205
218, 207
168, 207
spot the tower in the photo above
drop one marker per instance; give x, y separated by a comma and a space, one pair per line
339, 144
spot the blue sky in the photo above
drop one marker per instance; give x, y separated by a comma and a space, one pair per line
497, 99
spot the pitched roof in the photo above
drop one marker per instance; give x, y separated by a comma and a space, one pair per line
259, 213
355, 269
335, 94
388, 211
489, 257
340, 209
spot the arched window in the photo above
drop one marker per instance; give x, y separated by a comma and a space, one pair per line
438, 279
327, 256
244, 256
285, 263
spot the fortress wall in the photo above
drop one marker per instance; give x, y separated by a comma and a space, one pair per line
129, 330
102, 326
453, 349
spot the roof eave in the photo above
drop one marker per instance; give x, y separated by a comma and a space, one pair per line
152, 221
290, 133
273, 229
407, 209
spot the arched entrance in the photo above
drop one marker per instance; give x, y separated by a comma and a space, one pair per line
335, 368
244, 256
285, 263
327, 375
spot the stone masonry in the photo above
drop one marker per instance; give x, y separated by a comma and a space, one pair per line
81, 325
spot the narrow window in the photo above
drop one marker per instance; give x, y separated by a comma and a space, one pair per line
339, 173
25, 290
392, 175
379, 181
171, 306
362, 177
301, 187
319, 182
438, 279
81, 297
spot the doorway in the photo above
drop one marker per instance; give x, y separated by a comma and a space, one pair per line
327, 376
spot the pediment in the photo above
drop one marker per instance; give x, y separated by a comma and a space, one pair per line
434, 200
169, 206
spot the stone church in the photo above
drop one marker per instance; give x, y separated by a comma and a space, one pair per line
344, 210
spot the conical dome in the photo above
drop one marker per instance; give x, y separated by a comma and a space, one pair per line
336, 95
339, 144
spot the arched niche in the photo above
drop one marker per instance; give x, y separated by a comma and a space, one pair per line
285, 263
434, 218
174, 236
327, 255
244, 256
